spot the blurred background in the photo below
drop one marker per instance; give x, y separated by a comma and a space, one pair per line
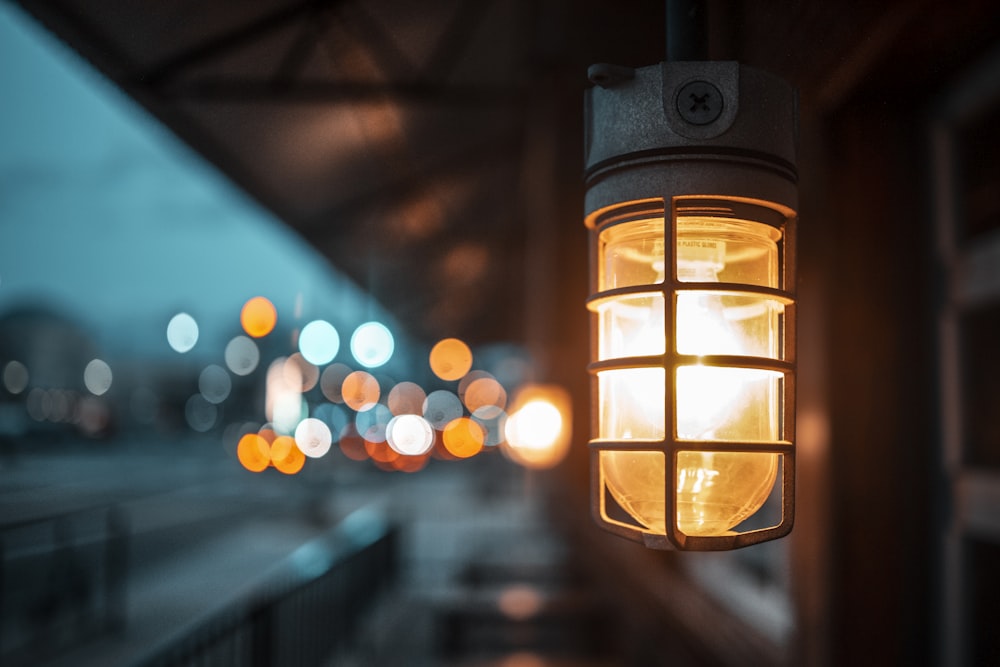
293, 341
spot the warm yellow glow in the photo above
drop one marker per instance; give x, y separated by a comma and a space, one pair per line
714, 491
360, 390
254, 452
462, 437
286, 456
538, 428
450, 359
258, 317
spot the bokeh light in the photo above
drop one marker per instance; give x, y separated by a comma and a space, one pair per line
283, 404
485, 397
182, 332
242, 355
450, 359
493, 423
60, 405
463, 437
468, 379
332, 380
334, 416
352, 445
538, 429
15, 377
534, 426
92, 416
406, 398
409, 464
200, 414
523, 659
258, 317
313, 437
520, 601
372, 344
299, 373
214, 384
38, 404
286, 456
441, 407
97, 377
360, 390
410, 435
254, 452
372, 423
319, 342
381, 452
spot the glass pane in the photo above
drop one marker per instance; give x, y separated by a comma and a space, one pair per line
631, 253
713, 249
632, 404
734, 404
631, 326
716, 491
719, 323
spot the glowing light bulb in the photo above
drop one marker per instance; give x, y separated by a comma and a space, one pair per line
715, 491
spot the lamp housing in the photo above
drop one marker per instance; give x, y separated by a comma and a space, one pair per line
691, 204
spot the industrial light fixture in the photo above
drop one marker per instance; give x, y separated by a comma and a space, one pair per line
691, 205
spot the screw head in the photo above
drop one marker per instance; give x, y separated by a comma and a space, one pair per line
699, 102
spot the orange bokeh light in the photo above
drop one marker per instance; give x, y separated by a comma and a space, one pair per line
410, 463
450, 359
253, 452
486, 393
360, 391
258, 317
463, 437
286, 456
381, 452
352, 444
406, 398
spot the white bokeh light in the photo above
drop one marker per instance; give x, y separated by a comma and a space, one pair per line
242, 355
97, 377
319, 342
372, 344
15, 377
182, 332
410, 435
313, 437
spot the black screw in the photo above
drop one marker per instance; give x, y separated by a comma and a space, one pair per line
699, 102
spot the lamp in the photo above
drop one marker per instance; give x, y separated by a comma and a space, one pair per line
691, 206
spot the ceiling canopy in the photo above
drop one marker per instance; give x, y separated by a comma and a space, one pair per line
432, 150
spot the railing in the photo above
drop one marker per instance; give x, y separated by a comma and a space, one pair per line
62, 581
306, 609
